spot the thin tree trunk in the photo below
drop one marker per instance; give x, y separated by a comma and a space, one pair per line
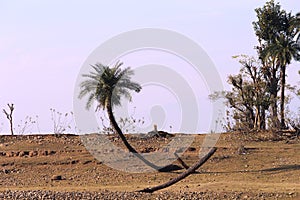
273, 98
282, 97
263, 119
257, 121
274, 115
183, 175
11, 128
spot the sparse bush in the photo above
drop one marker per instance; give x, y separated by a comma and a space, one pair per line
130, 124
27, 125
294, 122
61, 122
127, 124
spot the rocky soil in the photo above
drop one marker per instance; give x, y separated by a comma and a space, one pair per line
59, 167
103, 195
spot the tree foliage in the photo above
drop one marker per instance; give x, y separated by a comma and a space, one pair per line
106, 85
276, 31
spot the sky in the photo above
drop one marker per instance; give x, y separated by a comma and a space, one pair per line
43, 45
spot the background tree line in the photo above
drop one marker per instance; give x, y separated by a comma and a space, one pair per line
257, 100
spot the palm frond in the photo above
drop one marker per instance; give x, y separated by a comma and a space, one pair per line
104, 83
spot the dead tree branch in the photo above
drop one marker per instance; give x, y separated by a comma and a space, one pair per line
181, 161
183, 175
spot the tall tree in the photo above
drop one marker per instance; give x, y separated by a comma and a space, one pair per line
282, 51
276, 30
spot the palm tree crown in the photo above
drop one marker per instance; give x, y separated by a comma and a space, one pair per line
107, 85
283, 50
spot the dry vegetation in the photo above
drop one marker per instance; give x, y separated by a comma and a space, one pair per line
259, 168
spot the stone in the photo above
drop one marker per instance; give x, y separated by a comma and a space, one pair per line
56, 178
33, 153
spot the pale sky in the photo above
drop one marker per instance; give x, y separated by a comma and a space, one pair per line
43, 44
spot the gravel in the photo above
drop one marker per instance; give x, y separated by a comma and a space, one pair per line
105, 194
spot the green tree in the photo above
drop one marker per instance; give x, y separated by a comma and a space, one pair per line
106, 85
282, 51
276, 31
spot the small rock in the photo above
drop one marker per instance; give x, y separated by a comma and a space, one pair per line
21, 153
43, 153
56, 178
33, 153
74, 162
9, 154
191, 149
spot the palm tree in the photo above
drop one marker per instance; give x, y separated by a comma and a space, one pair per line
282, 51
106, 86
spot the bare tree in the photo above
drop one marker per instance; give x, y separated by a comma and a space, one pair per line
9, 116
249, 99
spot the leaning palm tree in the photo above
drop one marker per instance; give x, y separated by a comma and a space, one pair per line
106, 86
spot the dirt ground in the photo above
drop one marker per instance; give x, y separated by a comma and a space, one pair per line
249, 169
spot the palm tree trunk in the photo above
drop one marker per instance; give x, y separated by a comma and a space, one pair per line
124, 140
273, 98
282, 97
117, 129
183, 175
